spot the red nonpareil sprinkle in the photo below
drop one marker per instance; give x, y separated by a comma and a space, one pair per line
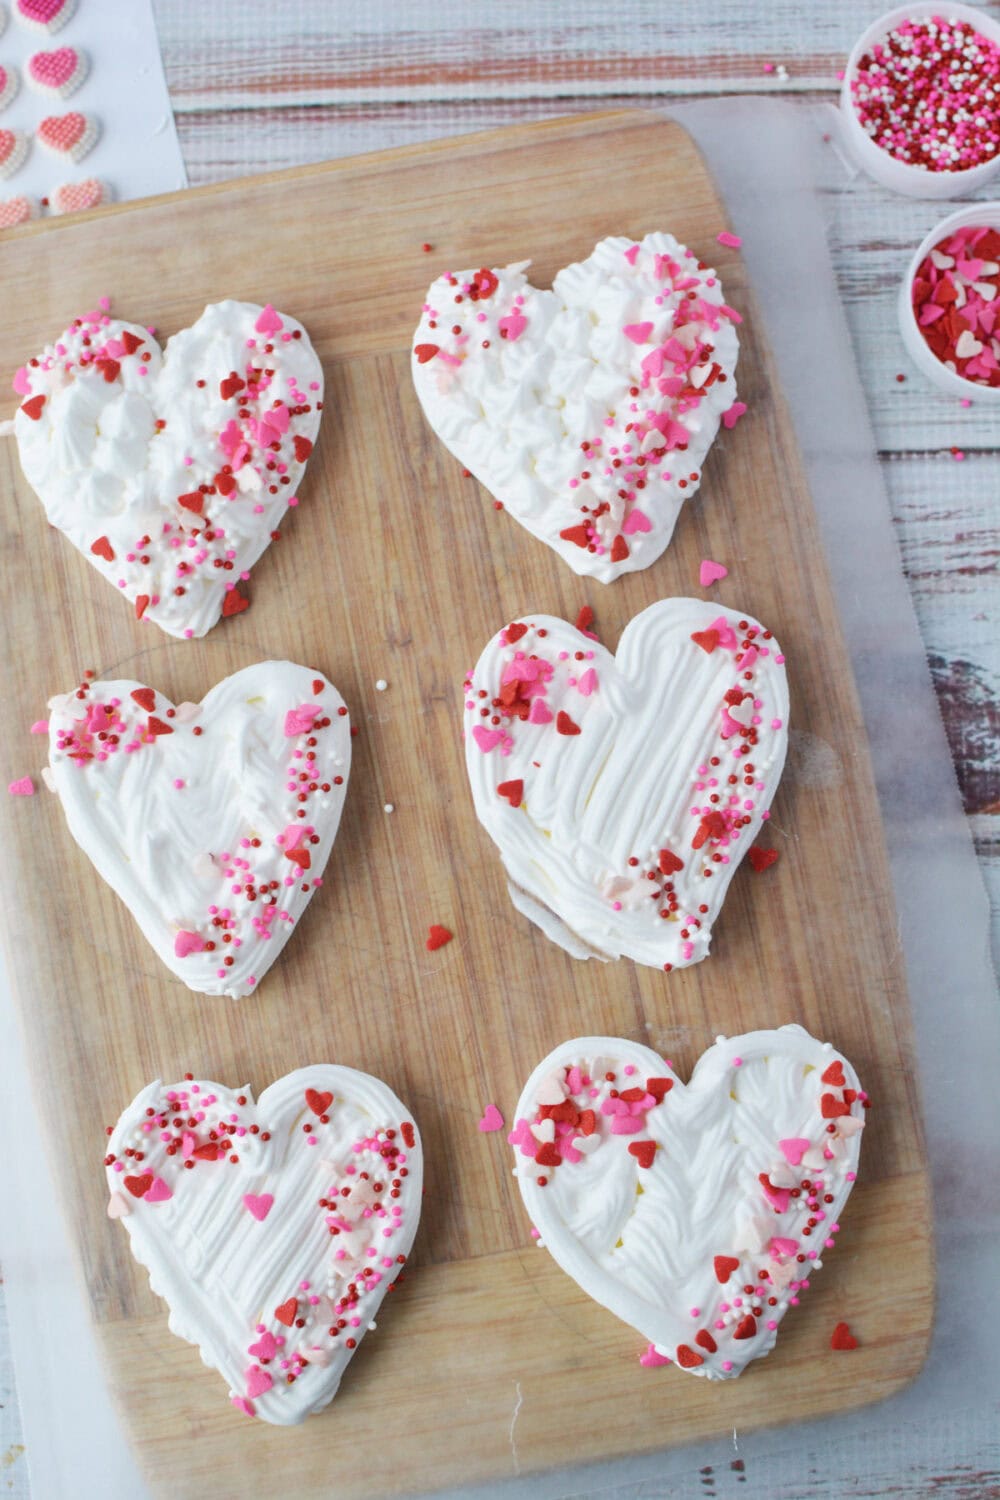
843, 1338
437, 937
926, 94
762, 859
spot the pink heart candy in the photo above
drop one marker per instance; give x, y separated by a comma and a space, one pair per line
45, 15
258, 1381
74, 197
58, 72
710, 572
259, 1204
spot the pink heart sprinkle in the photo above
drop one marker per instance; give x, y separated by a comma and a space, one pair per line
539, 713
258, 1381
636, 520
158, 1192
244, 1406
259, 1204
710, 572
487, 739
118, 1206
732, 416
794, 1148
266, 1347
269, 321
587, 683
638, 332
651, 1359
24, 787
492, 1119
188, 942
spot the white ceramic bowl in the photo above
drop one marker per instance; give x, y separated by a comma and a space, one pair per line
917, 182
916, 345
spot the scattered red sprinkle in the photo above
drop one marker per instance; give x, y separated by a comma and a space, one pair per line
762, 859
437, 937
843, 1338
234, 603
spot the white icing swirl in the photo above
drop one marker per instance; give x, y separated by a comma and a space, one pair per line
239, 1276
192, 815
586, 410
174, 470
653, 1201
620, 829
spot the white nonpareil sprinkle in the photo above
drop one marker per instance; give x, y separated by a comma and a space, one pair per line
389, 807
381, 685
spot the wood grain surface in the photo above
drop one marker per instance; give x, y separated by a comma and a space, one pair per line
486, 1326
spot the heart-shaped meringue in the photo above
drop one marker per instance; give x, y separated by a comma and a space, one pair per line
213, 821
44, 15
14, 211
59, 73
10, 82
13, 149
271, 1230
71, 135
587, 410
662, 1199
171, 470
623, 791
78, 197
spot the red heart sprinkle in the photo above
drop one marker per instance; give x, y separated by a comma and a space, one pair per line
208, 1152
234, 603
841, 1338
300, 857
139, 1186
132, 341
762, 859
193, 501
425, 352
587, 1122
437, 937
514, 632
832, 1108
103, 548
547, 1155
669, 863
513, 791
565, 724
231, 386
658, 1087
619, 549
156, 726
578, 534
318, 686
141, 605
746, 1328
225, 484
725, 1265
317, 1102
705, 1339
303, 447
145, 697
585, 618
109, 368
687, 1358
33, 407
706, 639
643, 1151
287, 1312
834, 1075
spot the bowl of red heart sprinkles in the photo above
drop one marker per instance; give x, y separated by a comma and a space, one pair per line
920, 100
949, 304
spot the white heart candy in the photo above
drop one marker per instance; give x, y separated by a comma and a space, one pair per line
170, 470
605, 781
653, 1222
587, 410
196, 820
261, 1247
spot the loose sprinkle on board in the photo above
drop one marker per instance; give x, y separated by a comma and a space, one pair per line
23, 787
437, 937
492, 1119
843, 1338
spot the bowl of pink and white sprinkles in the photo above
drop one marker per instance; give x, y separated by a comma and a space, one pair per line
949, 304
921, 100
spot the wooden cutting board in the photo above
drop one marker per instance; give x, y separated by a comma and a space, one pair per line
489, 1362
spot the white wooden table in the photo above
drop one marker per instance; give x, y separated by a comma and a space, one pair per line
256, 86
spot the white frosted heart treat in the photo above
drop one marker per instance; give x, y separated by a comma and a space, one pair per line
171, 469
212, 821
271, 1230
586, 410
623, 791
697, 1213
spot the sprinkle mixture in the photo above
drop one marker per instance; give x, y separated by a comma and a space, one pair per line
955, 303
584, 1114
927, 94
247, 1203
209, 438
255, 883
548, 696
615, 381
